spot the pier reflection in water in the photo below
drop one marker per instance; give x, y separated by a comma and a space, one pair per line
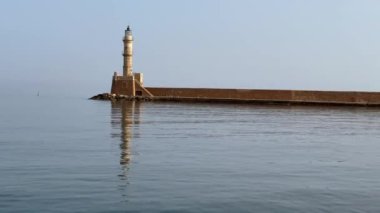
186, 157
125, 120
222, 158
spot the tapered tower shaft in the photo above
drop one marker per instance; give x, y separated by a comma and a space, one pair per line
128, 53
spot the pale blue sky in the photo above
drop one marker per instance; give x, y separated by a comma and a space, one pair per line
73, 47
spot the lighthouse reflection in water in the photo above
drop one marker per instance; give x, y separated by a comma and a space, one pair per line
126, 118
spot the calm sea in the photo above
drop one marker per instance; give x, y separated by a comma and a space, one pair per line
76, 155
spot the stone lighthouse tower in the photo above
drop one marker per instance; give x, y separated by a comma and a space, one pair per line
130, 83
128, 53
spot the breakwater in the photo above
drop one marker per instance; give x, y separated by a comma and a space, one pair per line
288, 97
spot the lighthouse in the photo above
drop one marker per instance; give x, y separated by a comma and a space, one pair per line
128, 53
129, 83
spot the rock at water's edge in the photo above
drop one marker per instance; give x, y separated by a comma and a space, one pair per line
116, 97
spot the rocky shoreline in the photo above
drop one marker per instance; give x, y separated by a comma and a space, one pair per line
116, 97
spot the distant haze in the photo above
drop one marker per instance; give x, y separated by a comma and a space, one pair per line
73, 47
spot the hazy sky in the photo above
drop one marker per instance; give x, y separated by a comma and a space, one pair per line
73, 47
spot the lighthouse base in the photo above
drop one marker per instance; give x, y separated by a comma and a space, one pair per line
129, 86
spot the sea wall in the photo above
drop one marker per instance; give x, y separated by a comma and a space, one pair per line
276, 96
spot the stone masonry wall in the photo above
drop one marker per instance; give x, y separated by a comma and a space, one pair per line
333, 97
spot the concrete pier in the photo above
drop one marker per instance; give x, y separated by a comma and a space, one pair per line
271, 96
